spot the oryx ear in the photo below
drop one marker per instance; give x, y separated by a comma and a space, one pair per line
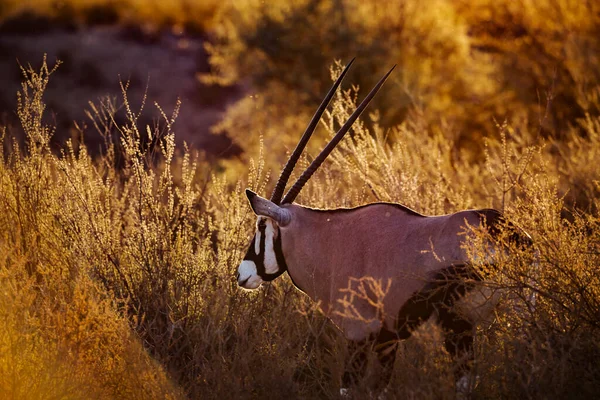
267, 208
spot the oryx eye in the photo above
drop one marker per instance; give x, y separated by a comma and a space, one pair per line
262, 224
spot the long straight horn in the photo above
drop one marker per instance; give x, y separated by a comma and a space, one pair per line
291, 195
289, 166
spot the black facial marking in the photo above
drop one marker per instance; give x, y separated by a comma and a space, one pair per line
279, 254
259, 259
262, 225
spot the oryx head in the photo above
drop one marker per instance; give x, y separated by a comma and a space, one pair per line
264, 260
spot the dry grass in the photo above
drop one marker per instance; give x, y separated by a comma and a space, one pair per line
117, 273
461, 66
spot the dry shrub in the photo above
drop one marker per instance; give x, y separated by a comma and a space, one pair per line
31, 365
68, 342
72, 336
461, 64
539, 47
142, 244
544, 334
135, 246
578, 165
273, 49
544, 339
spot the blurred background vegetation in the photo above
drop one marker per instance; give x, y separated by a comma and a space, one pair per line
119, 242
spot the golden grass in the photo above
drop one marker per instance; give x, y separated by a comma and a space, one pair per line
117, 273
462, 65
105, 266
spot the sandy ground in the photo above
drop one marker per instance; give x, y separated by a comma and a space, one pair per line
95, 59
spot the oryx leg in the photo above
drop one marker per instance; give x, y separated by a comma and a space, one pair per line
440, 296
458, 329
384, 345
458, 340
356, 364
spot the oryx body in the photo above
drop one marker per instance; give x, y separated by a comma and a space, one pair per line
323, 249
325, 252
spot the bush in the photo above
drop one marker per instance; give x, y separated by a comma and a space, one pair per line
461, 65
111, 263
62, 334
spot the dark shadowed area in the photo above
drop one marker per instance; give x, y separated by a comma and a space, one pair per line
160, 63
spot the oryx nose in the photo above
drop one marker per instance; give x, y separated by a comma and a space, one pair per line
240, 282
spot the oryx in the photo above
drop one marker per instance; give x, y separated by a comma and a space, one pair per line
325, 252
